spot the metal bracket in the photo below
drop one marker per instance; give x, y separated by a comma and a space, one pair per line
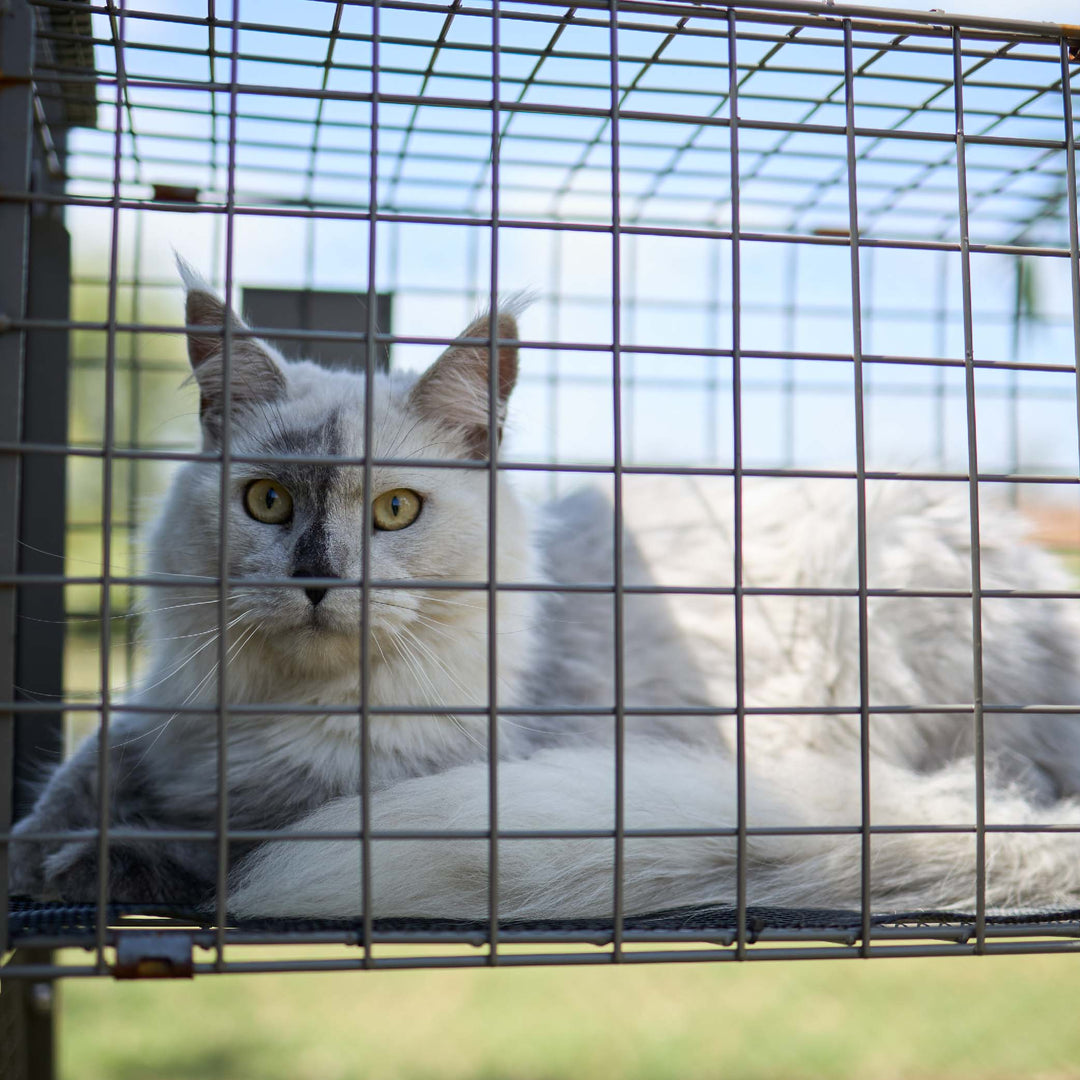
154, 954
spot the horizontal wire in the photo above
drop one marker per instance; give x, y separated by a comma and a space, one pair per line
443, 584
758, 953
636, 140
448, 835
478, 221
867, 75
803, 13
321, 711
536, 344
70, 73
553, 109
584, 468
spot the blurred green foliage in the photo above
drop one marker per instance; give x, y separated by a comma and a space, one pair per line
149, 411
985, 1018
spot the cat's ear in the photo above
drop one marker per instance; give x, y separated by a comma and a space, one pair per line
254, 375
454, 391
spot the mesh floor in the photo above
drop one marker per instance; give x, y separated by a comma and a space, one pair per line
30, 921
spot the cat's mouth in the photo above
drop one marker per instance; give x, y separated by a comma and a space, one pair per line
335, 616
325, 619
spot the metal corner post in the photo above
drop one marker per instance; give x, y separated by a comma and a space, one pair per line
16, 50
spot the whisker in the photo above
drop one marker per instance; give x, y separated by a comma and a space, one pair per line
233, 651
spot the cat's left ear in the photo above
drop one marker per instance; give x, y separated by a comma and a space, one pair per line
255, 377
454, 391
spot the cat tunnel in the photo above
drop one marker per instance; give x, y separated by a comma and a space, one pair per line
781, 238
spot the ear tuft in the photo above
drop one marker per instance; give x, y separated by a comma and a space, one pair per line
254, 374
455, 390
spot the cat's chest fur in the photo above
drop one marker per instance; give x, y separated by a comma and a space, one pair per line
283, 760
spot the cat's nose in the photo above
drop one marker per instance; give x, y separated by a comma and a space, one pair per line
314, 594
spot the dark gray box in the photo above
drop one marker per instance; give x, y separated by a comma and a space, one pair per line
318, 310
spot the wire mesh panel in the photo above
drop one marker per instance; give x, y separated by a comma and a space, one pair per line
791, 292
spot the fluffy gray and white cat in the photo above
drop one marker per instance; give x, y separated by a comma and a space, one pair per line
298, 645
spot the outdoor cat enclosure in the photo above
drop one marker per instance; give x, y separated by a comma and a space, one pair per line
777, 239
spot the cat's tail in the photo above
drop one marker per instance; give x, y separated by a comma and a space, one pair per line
666, 788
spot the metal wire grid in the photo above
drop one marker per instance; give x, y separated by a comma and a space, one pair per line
421, 129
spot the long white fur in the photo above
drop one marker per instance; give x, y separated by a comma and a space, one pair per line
804, 769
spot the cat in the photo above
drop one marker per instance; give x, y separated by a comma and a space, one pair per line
429, 770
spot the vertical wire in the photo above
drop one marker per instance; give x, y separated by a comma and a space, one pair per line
866, 317
791, 311
366, 525
134, 420
400, 154
493, 506
1013, 377
1074, 231
552, 381
617, 477
211, 56
108, 437
393, 259
941, 344
216, 239
737, 492
472, 269
222, 823
712, 363
629, 328
866, 332
309, 180
860, 496
973, 498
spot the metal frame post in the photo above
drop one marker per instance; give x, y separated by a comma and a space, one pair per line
16, 51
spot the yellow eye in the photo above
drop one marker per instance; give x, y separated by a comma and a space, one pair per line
396, 509
268, 501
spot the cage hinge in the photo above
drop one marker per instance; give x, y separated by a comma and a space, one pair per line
154, 954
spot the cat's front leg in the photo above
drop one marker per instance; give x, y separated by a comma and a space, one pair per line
66, 806
64, 865
140, 870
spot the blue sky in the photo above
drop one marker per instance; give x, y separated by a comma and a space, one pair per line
676, 290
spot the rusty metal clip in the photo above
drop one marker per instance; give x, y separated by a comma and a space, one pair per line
1070, 31
154, 954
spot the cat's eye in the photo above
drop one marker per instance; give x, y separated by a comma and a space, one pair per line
268, 501
396, 509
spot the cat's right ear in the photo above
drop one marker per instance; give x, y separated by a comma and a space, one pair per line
254, 375
454, 391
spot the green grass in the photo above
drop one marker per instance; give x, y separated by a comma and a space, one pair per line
999, 1018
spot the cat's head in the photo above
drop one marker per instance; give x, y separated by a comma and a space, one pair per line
303, 519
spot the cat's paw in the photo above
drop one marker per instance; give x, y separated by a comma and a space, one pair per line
70, 873
138, 874
25, 871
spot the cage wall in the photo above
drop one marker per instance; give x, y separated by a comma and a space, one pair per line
757, 243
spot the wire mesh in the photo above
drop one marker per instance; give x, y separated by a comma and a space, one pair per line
764, 241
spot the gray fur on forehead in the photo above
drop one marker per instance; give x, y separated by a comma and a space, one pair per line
321, 413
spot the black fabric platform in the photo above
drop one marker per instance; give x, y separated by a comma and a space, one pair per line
28, 919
